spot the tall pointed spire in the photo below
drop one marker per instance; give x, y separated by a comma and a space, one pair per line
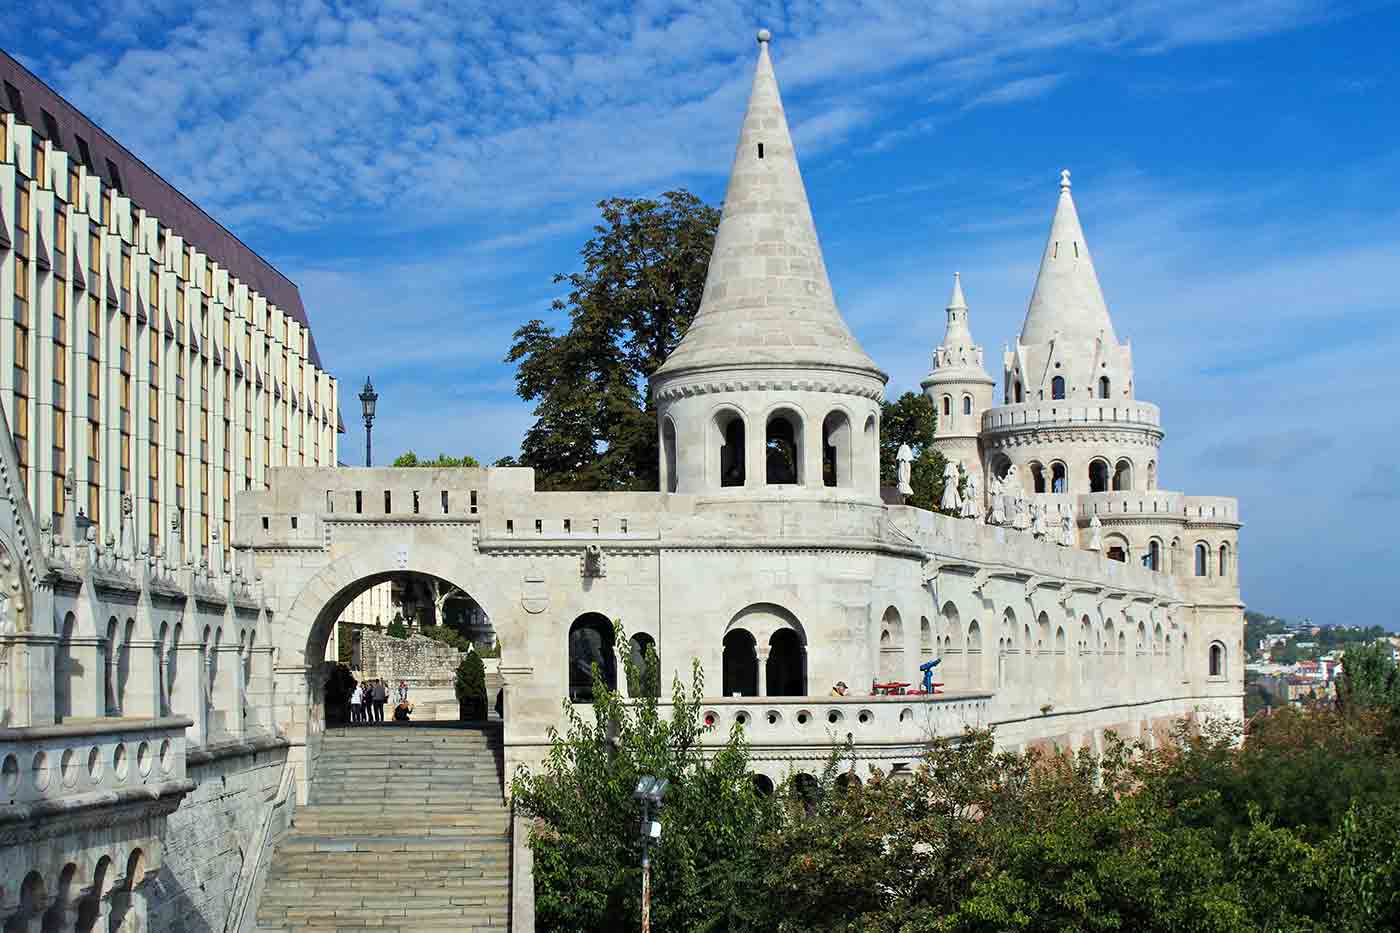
958, 334
767, 300
1067, 299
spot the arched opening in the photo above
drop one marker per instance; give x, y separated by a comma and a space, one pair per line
783, 448
740, 664
1059, 477
974, 654
66, 670
1103, 387
1057, 387
846, 781
872, 451
1000, 465
644, 678
1217, 659
668, 452
109, 678
836, 449
1154, 555
786, 671
1224, 570
763, 784
807, 790
1020, 393
952, 670
892, 646
928, 646
967, 404
947, 405
1201, 559
1116, 549
1123, 476
1098, 476
1086, 648
1006, 648
590, 646
1151, 475
729, 427
1037, 477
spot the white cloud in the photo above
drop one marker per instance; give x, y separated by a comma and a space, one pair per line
1014, 92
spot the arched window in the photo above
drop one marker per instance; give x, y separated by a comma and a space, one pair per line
1116, 548
668, 452
1103, 387
1217, 659
1224, 561
1020, 393
1154, 556
892, 646
1151, 475
927, 643
787, 665
947, 405
730, 425
1123, 476
1201, 558
1001, 466
644, 679
1098, 476
974, 654
836, 449
1057, 387
783, 448
740, 664
1059, 477
590, 645
1037, 477
967, 404
67, 671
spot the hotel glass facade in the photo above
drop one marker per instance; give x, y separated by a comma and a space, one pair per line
144, 350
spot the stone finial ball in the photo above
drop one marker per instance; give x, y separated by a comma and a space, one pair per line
764, 35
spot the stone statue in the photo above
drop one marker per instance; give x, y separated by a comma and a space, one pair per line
1095, 533
128, 546
905, 460
970, 507
1038, 520
1012, 483
1021, 519
998, 494
92, 546
951, 502
1067, 530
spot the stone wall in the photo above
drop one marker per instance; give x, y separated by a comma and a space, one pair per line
420, 660
206, 839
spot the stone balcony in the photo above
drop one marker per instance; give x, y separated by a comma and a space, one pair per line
54, 771
1103, 413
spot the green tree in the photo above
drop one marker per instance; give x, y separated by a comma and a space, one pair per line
911, 419
396, 628
584, 835
1370, 678
410, 459
641, 282
470, 686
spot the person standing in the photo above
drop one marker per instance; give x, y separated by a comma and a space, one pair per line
357, 703
381, 696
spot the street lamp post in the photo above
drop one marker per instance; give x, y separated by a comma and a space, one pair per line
649, 794
367, 399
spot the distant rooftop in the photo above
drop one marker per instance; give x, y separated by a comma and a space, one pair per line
55, 119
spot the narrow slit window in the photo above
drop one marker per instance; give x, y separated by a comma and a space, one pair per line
359, 502
415, 502
388, 502
568, 526
760, 150
294, 523
510, 527
624, 526
330, 501
539, 526
473, 506
444, 502
265, 523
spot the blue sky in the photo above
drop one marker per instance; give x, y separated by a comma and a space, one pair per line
421, 169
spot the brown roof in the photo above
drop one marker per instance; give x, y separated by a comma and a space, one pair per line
39, 106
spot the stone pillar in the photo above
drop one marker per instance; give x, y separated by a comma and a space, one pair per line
762, 671
87, 677
188, 690
260, 691
227, 690
811, 455
28, 683
143, 683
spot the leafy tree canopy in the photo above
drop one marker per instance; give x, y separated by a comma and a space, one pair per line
410, 459
911, 419
642, 277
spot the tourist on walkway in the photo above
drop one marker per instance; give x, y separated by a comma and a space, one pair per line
403, 691
381, 696
357, 704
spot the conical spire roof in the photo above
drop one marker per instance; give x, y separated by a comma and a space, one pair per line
767, 299
958, 334
958, 358
1067, 298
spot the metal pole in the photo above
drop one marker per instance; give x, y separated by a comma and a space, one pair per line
646, 888
369, 448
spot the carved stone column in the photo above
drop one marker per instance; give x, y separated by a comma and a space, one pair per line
762, 654
142, 696
188, 690
260, 690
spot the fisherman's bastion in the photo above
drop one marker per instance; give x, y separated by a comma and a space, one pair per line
163, 724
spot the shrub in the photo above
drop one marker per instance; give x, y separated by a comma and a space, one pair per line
397, 629
470, 685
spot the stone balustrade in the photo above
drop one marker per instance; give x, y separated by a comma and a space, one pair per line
1107, 413
90, 763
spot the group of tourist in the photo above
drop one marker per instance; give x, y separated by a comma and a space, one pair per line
367, 701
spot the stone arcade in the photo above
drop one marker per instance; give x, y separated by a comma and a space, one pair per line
163, 715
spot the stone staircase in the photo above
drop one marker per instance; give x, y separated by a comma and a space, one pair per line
405, 832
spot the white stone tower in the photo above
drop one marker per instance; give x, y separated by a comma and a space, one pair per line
960, 389
1069, 420
768, 393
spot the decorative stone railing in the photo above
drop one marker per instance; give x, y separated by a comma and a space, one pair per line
1059, 413
1158, 504
868, 720
46, 770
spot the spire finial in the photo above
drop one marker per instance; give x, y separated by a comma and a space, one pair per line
1064, 179
764, 37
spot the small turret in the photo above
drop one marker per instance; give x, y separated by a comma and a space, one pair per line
959, 387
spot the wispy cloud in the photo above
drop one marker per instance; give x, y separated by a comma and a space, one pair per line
1013, 92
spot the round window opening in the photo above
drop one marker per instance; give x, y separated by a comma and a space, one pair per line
802, 718
742, 719
833, 717
864, 717
773, 718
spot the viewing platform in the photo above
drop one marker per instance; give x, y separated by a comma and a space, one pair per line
1104, 413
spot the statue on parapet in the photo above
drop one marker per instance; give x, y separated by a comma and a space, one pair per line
997, 492
950, 503
1067, 530
905, 462
971, 507
1095, 533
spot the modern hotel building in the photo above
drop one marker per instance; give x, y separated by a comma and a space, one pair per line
144, 350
